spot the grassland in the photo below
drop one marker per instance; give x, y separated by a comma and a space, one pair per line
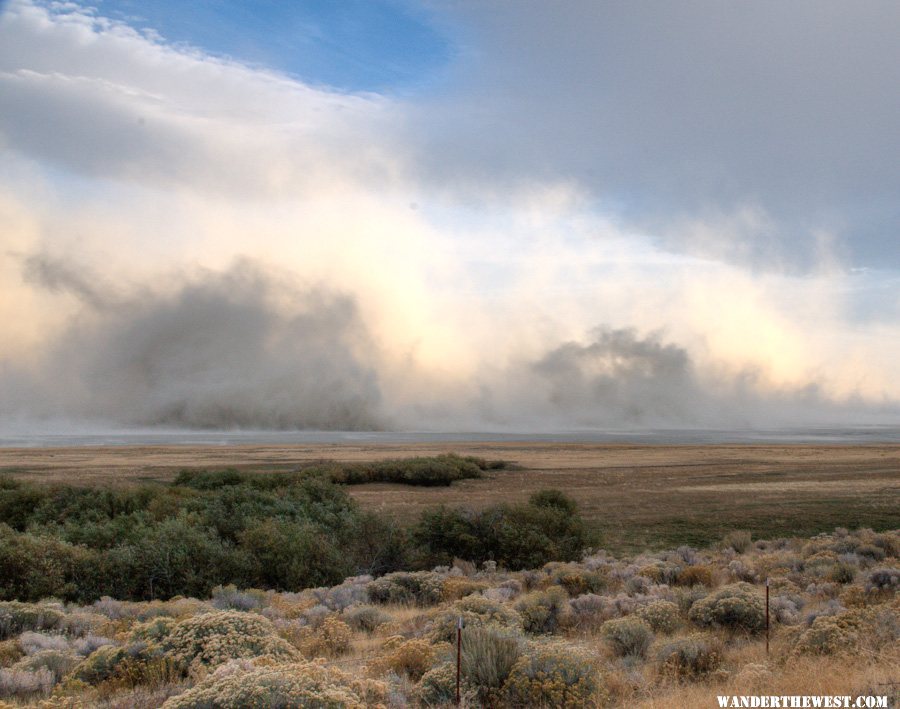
637, 497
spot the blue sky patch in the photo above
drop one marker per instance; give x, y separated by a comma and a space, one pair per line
351, 45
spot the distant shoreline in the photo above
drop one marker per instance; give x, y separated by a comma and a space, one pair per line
859, 435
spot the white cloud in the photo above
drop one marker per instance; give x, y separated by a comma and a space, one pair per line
138, 174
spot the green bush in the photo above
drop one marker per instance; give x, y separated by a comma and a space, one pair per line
515, 536
628, 637
737, 607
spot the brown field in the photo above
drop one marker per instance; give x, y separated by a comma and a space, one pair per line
634, 496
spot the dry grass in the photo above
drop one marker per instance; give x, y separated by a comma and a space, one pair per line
637, 497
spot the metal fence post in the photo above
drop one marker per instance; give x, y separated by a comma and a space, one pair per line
459, 625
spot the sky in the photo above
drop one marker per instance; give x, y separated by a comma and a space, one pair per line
449, 215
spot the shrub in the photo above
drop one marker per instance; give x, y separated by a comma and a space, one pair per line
17, 682
35, 642
661, 616
515, 536
883, 580
578, 581
16, 618
333, 637
230, 598
739, 541
365, 618
552, 676
736, 607
695, 576
487, 658
421, 588
100, 664
628, 637
213, 638
289, 686
544, 611
456, 587
827, 635
10, 652
438, 686
476, 612
412, 658
57, 662
842, 573
694, 657
289, 554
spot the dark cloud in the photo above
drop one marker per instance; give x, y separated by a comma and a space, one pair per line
684, 110
620, 377
244, 348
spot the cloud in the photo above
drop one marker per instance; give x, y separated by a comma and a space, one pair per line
684, 110
189, 241
220, 351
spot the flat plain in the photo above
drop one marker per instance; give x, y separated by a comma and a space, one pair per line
635, 496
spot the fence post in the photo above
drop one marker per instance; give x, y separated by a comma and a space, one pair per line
767, 615
459, 625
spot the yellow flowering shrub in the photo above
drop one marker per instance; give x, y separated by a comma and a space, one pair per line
661, 616
210, 639
299, 685
412, 658
556, 676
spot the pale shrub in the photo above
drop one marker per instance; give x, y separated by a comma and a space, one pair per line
739, 540
349, 593
661, 616
32, 643
213, 638
737, 607
544, 611
16, 618
112, 609
476, 611
18, 682
230, 598
828, 635
58, 662
421, 588
883, 580
301, 685
487, 658
552, 675
694, 657
365, 618
785, 610
627, 637
88, 644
